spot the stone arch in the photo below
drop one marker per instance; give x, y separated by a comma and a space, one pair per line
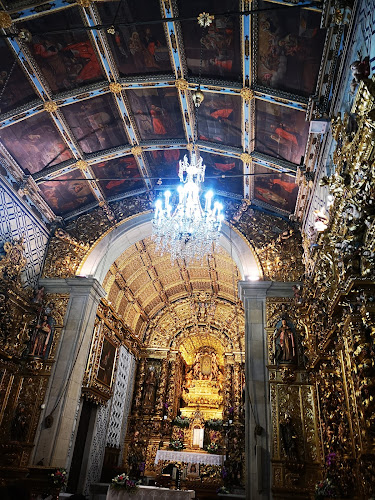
108, 248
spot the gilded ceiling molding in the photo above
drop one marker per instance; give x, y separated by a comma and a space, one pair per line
246, 158
136, 151
247, 94
181, 84
81, 165
5, 20
115, 87
84, 3
50, 107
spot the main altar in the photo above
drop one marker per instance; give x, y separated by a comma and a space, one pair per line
187, 415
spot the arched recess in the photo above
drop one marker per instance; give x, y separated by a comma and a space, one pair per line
101, 256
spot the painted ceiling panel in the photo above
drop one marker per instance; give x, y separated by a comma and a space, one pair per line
96, 123
280, 131
278, 190
64, 197
218, 166
67, 59
137, 50
35, 143
164, 163
219, 119
221, 52
157, 113
118, 176
18, 90
279, 49
290, 49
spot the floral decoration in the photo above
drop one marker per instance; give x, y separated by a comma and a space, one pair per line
176, 445
214, 423
213, 447
181, 421
58, 478
123, 482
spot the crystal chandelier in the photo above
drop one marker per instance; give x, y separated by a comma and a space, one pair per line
188, 231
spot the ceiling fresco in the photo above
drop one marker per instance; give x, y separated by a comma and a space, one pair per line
108, 85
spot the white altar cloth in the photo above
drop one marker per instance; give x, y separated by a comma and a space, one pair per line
150, 493
189, 457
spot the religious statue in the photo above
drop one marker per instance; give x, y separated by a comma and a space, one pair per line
284, 344
289, 438
150, 386
42, 335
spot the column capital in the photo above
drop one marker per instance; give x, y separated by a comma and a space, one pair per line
78, 285
263, 289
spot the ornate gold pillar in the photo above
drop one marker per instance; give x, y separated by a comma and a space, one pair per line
139, 387
162, 387
237, 390
228, 396
171, 386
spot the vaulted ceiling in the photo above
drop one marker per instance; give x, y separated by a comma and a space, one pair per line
160, 302
97, 103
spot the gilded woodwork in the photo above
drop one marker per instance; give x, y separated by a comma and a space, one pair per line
24, 372
334, 315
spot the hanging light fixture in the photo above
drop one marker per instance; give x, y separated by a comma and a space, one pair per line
188, 231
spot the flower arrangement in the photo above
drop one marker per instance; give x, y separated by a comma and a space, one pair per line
123, 482
181, 421
176, 445
58, 478
214, 423
325, 488
212, 447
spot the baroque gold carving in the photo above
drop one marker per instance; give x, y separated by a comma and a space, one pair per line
50, 106
247, 94
5, 20
182, 84
115, 87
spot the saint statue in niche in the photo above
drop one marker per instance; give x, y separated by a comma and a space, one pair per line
150, 386
284, 344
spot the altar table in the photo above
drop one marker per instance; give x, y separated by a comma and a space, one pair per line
150, 493
189, 457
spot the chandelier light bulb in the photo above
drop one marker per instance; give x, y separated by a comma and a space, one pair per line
188, 231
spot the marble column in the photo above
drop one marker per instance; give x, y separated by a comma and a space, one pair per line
257, 399
53, 444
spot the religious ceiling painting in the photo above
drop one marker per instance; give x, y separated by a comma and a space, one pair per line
18, 90
136, 49
221, 53
64, 197
218, 166
67, 59
278, 189
157, 113
164, 163
118, 176
219, 119
35, 143
96, 123
290, 49
280, 131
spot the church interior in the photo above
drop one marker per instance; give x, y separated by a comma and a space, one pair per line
142, 356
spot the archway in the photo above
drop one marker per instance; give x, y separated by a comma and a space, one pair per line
134, 229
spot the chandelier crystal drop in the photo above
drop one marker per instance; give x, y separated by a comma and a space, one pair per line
188, 231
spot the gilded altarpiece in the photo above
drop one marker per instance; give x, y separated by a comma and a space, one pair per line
337, 311
30, 328
295, 430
